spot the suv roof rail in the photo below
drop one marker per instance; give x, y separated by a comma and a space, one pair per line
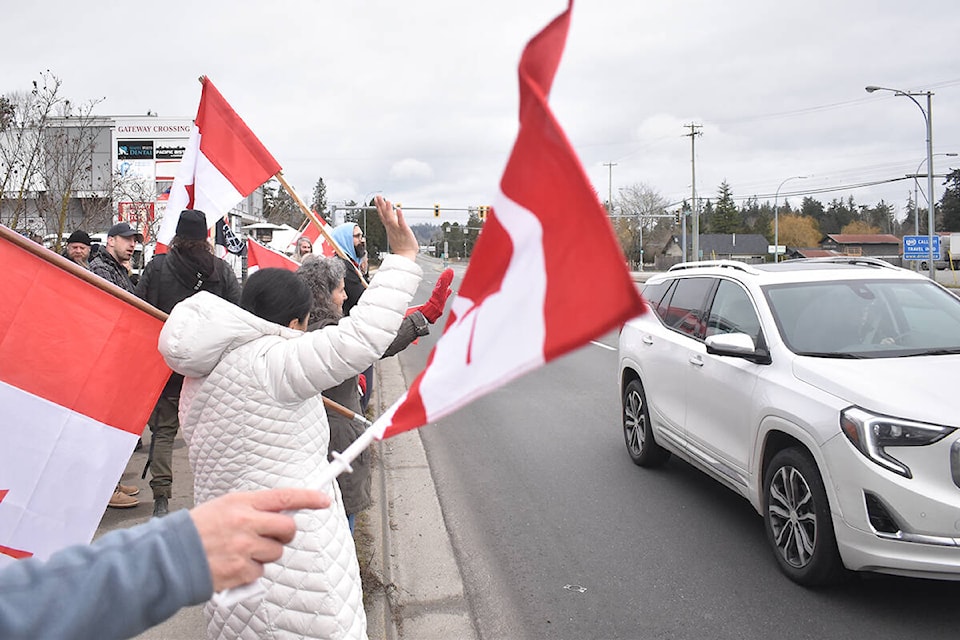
872, 262
729, 264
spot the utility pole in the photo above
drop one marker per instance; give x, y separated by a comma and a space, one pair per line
694, 132
611, 165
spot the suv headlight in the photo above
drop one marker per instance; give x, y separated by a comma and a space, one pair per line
871, 433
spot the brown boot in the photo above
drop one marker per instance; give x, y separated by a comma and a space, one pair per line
120, 500
130, 490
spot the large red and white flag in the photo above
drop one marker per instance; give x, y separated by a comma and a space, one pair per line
222, 164
547, 274
262, 257
79, 375
319, 241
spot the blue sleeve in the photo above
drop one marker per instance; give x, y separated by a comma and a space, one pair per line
124, 583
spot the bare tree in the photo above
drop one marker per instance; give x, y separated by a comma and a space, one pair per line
637, 227
47, 160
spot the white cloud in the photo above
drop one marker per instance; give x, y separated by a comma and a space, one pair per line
408, 169
418, 99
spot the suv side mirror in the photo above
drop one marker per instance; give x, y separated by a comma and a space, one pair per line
737, 345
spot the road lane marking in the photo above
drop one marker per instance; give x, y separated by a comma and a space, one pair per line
603, 346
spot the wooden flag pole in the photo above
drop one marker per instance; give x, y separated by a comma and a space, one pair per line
72, 267
311, 216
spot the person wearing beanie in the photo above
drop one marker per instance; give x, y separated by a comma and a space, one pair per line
188, 267
78, 248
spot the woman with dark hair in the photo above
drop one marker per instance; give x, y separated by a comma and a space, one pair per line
274, 295
253, 418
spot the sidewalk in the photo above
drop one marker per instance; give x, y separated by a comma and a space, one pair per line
412, 585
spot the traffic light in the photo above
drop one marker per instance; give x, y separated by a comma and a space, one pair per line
436, 211
482, 212
676, 217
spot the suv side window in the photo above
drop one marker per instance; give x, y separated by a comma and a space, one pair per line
653, 293
732, 312
684, 310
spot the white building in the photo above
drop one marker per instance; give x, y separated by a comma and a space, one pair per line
103, 169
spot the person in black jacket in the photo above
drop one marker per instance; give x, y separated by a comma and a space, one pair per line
189, 266
122, 239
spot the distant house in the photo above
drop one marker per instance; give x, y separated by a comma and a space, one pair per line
744, 247
811, 253
876, 245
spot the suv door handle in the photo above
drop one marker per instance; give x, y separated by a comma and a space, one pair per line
647, 339
696, 361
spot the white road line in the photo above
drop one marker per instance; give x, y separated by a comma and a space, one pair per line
603, 346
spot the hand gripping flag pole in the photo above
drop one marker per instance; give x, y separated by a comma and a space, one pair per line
340, 464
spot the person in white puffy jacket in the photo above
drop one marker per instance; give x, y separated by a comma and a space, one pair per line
252, 416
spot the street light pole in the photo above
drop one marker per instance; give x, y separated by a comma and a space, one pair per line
364, 204
928, 121
776, 217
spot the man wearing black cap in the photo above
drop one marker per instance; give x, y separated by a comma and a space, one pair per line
78, 248
189, 266
122, 239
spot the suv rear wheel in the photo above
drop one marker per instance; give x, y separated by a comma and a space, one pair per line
797, 518
637, 432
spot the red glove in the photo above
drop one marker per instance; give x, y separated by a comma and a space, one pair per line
362, 383
433, 308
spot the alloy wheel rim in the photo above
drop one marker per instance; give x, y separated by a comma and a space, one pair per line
634, 422
792, 516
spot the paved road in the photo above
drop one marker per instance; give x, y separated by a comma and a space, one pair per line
560, 536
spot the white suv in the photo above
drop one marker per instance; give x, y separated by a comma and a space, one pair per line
826, 392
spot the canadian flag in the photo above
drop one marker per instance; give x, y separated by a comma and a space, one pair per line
222, 164
262, 257
547, 274
319, 241
79, 375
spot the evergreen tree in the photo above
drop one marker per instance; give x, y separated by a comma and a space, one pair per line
373, 231
950, 203
880, 217
813, 208
319, 201
726, 217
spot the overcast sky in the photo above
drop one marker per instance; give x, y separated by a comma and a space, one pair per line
418, 99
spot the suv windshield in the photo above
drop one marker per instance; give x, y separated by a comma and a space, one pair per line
866, 318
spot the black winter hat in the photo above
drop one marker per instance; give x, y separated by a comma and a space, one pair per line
79, 236
192, 224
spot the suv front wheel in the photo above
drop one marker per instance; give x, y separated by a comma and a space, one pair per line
637, 432
797, 518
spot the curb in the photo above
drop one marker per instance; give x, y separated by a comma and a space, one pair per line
422, 593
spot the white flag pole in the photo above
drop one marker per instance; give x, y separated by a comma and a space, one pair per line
340, 464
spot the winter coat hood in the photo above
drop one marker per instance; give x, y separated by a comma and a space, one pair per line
343, 236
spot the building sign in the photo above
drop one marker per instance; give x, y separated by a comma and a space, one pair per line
170, 152
135, 150
140, 215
